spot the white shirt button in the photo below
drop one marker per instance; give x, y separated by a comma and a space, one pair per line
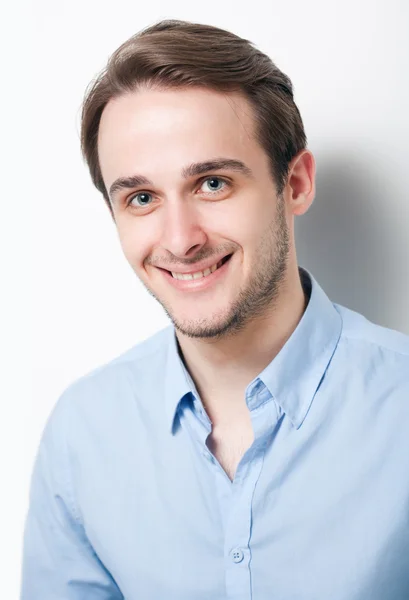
237, 555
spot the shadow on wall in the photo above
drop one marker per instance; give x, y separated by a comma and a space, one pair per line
348, 239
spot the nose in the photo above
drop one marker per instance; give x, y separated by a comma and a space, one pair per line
183, 234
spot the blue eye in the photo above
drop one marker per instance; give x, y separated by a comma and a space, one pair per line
144, 198
211, 180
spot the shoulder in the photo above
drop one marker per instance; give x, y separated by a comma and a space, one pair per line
358, 330
372, 357
108, 388
371, 375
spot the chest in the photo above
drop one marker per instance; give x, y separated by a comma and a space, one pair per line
318, 517
314, 524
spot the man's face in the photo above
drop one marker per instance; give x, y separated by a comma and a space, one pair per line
188, 222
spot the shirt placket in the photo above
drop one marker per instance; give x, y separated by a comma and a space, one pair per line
235, 498
237, 546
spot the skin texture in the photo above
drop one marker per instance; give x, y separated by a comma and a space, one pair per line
228, 332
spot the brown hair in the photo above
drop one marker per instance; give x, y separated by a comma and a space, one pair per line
172, 54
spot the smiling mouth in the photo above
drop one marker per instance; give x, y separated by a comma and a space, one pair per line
199, 274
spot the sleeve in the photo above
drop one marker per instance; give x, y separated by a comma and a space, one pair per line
58, 560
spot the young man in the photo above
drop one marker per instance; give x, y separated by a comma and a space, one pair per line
258, 447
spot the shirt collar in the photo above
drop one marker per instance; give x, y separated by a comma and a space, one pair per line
293, 376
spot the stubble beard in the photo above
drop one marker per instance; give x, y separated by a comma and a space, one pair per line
258, 296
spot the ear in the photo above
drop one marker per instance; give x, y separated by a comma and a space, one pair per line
300, 188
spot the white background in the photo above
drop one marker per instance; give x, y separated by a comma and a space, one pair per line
69, 300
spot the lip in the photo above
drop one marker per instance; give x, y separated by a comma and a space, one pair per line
197, 284
200, 266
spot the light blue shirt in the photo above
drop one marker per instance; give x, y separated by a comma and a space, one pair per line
126, 500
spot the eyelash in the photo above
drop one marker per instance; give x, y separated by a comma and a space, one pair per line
225, 181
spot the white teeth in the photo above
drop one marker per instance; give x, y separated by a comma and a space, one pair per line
198, 274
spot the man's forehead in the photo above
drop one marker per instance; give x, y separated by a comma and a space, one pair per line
153, 110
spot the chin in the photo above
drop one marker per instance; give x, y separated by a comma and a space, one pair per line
207, 328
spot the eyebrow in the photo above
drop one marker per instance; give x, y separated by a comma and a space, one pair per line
197, 168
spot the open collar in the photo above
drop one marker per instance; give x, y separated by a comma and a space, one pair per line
293, 376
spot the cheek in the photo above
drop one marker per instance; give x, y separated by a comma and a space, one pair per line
239, 218
247, 227
135, 242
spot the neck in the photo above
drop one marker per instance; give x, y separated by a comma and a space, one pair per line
222, 369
